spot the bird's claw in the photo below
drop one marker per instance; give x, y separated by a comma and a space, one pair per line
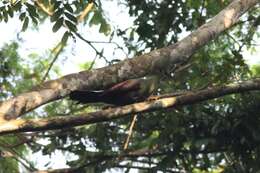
153, 98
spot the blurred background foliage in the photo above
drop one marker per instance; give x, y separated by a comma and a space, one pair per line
220, 135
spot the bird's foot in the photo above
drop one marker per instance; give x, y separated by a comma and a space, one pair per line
153, 98
108, 107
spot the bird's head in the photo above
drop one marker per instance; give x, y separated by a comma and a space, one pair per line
150, 85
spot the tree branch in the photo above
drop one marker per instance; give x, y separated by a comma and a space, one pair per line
117, 158
43, 8
164, 101
152, 62
84, 13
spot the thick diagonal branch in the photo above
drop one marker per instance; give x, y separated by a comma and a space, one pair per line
152, 62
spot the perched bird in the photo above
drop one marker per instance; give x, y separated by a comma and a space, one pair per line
124, 93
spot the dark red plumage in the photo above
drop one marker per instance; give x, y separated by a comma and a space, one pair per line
127, 92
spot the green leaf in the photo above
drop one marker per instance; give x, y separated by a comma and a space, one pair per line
17, 6
68, 8
96, 19
25, 23
56, 4
10, 11
65, 37
70, 25
71, 17
57, 25
57, 14
105, 28
32, 10
5, 15
35, 21
30, 6
22, 16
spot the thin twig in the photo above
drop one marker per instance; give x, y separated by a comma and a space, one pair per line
92, 63
57, 50
237, 42
91, 45
130, 132
85, 11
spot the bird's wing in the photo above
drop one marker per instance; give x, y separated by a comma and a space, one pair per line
84, 96
124, 87
124, 93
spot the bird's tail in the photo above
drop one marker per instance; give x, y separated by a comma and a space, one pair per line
86, 96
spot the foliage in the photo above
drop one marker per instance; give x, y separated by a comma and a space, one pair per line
220, 135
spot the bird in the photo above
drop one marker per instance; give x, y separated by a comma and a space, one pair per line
123, 93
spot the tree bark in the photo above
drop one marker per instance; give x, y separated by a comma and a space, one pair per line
22, 125
149, 63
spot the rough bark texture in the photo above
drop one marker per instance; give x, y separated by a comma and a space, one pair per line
152, 62
113, 113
